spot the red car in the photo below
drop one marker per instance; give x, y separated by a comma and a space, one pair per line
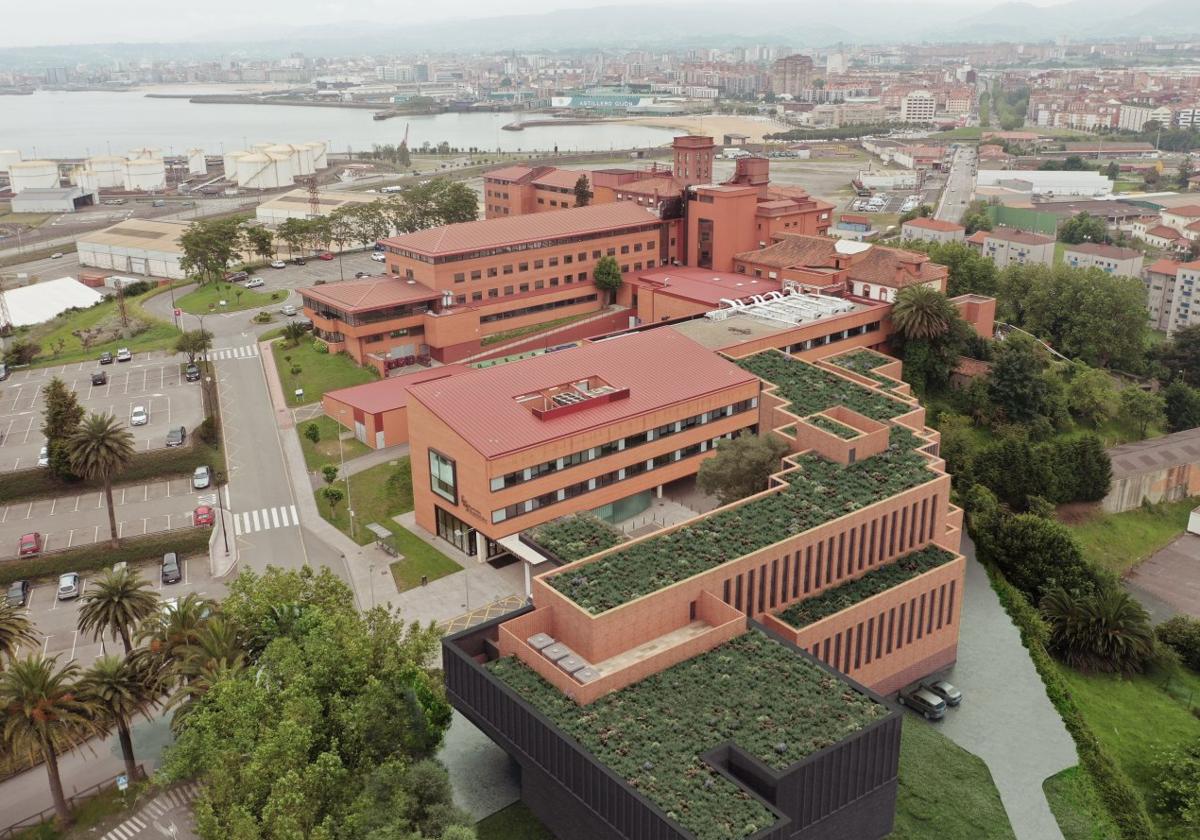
203, 516
325, 255
30, 545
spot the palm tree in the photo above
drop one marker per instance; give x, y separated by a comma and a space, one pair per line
116, 604
184, 700
45, 715
119, 691
218, 640
922, 313
1104, 631
167, 634
15, 628
99, 451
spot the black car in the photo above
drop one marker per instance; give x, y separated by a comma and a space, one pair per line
304, 323
236, 276
945, 690
358, 275
106, 358
18, 593
923, 702
299, 261
171, 572
192, 372
176, 436
99, 378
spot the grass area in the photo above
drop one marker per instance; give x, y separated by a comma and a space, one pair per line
1119, 541
319, 371
966, 133
325, 450
420, 560
1135, 718
1077, 807
31, 219
1060, 249
516, 822
154, 335
532, 329
945, 791
88, 815
208, 298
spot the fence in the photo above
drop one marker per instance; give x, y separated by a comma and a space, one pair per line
72, 800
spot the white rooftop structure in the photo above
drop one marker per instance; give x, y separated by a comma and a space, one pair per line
42, 301
788, 307
1043, 182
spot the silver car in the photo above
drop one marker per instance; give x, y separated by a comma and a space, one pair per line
139, 416
202, 477
68, 586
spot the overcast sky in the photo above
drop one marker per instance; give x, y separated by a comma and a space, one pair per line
25, 23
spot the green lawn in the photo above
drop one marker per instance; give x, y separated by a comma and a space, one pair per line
532, 329
945, 791
89, 814
516, 822
420, 560
207, 298
1059, 252
1077, 807
319, 371
1135, 718
325, 450
157, 335
1119, 541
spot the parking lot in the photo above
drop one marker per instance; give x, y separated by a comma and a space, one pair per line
56, 622
303, 276
153, 381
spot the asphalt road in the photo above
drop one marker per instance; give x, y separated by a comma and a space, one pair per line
960, 186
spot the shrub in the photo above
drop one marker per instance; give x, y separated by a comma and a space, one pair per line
209, 431
1182, 634
575, 537
313, 432
1036, 554
99, 555
1099, 631
1178, 776
22, 352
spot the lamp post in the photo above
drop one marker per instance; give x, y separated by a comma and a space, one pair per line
342, 470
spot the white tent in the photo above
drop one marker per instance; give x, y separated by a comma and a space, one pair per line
42, 301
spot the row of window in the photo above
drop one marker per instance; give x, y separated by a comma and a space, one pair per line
522, 288
539, 307
592, 484
404, 333
620, 445
550, 262
840, 335
374, 316
518, 247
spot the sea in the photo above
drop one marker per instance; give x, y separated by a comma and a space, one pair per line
53, 124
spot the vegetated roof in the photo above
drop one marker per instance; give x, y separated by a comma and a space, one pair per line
659, 367
880, 579
391, 393
863, 362
817, 491
571, 538
370, 293
811, 389
1112, 252
512, 230
933, 224
753, 690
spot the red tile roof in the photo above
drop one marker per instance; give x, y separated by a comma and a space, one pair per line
370, 293
391, 393
854, 219
978, 237
1112, 252
875, 264
1164, 266
1188, 211
1019, 236
934, 224
659, 367
511, 230
509, 173
1163, 232
559, 178
706, 286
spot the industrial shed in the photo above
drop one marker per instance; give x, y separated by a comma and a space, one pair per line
135, 246
42, 301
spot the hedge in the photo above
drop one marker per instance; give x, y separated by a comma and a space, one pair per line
99, 555
1116, 791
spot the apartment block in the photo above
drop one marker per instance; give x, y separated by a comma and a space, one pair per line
932, 230
1123, 262
1006, 247
918, 107
1172, 294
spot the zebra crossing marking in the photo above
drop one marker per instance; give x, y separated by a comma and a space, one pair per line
249, 351
265, 519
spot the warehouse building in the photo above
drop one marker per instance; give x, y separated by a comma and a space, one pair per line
136, 246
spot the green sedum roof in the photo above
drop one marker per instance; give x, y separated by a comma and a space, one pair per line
811, 389
863, 362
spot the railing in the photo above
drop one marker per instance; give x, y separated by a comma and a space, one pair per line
72, 800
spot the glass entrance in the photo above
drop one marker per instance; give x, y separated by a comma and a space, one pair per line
456, 532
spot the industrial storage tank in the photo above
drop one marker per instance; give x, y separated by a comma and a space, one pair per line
197, 162
256, 172
318, 152
86, 179
303, 161
109, 171
292, 153
8, 157
145, 174
145, 152
230, 160
33, 175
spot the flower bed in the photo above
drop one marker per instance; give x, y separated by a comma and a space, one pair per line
575, 537
817, 492
653, 733
810, 389
828, 424
879, 579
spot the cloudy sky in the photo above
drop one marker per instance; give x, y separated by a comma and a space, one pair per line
30, 23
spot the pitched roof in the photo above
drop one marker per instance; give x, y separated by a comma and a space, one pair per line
1164, 266
659, 367
511, 230
978, 237
391, 393
509, 173
559, 178
934, 224
873, 264
1163, 232
1112, 252
368, 293
1188, 211
706, 286
1019, 236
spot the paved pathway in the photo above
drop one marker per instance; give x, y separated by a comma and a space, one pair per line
1169, 582
1006, 718
167, 815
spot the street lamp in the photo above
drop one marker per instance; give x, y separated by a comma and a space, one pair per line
346, 478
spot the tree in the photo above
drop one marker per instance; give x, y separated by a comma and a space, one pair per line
1091, 396
1182, 634
293, 332
1087, 471
1185, 173
1182, 406
969, 271
741, 467
333, 496
1037, 554
583, 192
1112, 171
194, 343
922, 313
15, 630
116, 605
403, 158
1180, 357
1104, 631
330, 473
370, 222
1016, 386
119, 691
607, 276
45, 715
313, 432
60, 420
457, 203
259, 241
99, 451
1141, 409
397, 800
209, 245
1083, 227
1177, 782
923, 211
341, 232
294, 233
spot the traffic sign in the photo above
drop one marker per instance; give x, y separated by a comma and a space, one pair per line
178, 312
122, 783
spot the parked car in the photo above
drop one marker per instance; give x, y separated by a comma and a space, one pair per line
379, 256
236, 276
192, 372
305, 324
299, 261
18, 593
30, 545
202, 477
171, 572
57, 255
924, 702
945, 690
68, 586
255, 282
106, 358
325, 255
288, 310
203, 515
99, 378
176, 436
358, 275
3, 371
139, 416
44, 456
123, 354
278, 264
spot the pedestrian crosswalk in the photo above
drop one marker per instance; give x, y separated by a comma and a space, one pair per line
160, 807
265, 519
250, 351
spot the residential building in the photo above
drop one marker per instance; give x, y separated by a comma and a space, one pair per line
918, 107
1172, 294
1185, 219
1123, 262
791, 74
932, 230
1006, 247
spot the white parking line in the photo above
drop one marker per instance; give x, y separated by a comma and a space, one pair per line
74, 639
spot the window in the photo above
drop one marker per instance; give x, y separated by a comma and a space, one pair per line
475, 296
553, 262
624, 249
492, 272
508, 290
637, 247
508, 269
538, 264
460, 277
611, 252
595, 255
625, 268
522, 266
461, 299
442, 477
582, 256
582, 276
569, 278
524, 287
553, 281
541, 201
538, 284
493, 293
476, 275
637, 266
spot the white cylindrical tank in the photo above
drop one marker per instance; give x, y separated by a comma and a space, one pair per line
8, 157
284, 165
255, 171
33, 175
303, 161
145, 174
145, 152
86, 179
197, 162
261, 147
230, 160
109, 171
318, 152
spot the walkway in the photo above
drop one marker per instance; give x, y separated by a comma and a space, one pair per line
167, 815
1169, 582
1005, 718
